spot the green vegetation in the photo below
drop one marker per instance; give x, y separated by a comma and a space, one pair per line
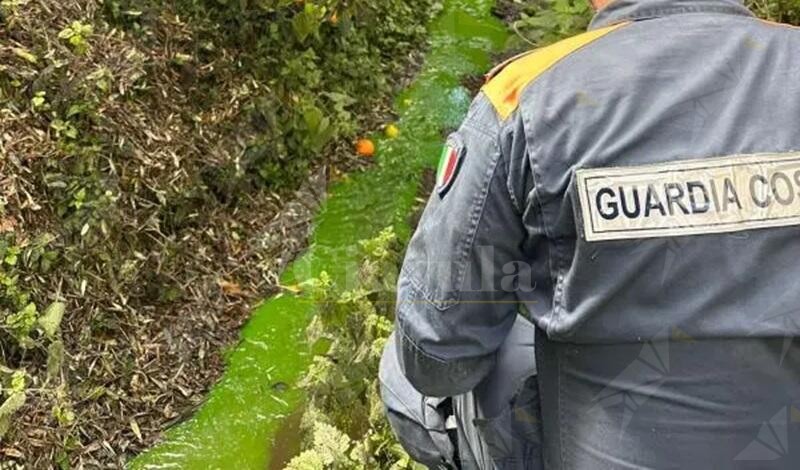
319, 67
782, 11
145, 147
542, 22
344, 422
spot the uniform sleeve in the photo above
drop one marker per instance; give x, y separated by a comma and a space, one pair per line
418, 422
456, 294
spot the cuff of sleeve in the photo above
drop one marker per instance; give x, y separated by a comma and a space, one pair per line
435, 377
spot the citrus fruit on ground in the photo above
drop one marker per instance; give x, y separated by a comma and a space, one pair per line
392, 131
365, 148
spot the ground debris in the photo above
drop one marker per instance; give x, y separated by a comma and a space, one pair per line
152, 302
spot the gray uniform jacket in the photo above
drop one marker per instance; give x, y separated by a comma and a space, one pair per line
637, 189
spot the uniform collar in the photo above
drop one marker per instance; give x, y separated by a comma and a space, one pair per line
619, 11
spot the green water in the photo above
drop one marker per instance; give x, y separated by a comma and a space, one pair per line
236, 426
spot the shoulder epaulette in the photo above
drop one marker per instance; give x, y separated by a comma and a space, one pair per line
506, 81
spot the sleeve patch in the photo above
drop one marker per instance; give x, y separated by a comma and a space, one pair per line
449, 166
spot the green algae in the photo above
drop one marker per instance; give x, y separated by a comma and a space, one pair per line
236, 426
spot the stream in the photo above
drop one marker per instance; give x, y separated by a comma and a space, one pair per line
244, 413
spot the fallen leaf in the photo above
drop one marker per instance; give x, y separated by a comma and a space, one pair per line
231, 288
12, 452
7, 409
7, 224
136, 430
50, 321
294, 289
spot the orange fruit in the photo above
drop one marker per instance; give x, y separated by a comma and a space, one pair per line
335, 18
365, 148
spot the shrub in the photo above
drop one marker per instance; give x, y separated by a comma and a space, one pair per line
782, 11
344, 422
542, 22
321, 64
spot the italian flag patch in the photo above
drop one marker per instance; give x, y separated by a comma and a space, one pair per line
449, 164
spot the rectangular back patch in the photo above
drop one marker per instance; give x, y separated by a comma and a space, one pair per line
691, 197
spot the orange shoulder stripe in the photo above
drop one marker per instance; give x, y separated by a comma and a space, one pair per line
504, 88
499, 67
776, 23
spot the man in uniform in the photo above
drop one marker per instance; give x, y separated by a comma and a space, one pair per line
637, 189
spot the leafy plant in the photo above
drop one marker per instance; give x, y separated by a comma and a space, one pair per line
344, 422
544, 22
39, 101
15, 393
323, 62
9, 9
21, 322
77, 35
783, 11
